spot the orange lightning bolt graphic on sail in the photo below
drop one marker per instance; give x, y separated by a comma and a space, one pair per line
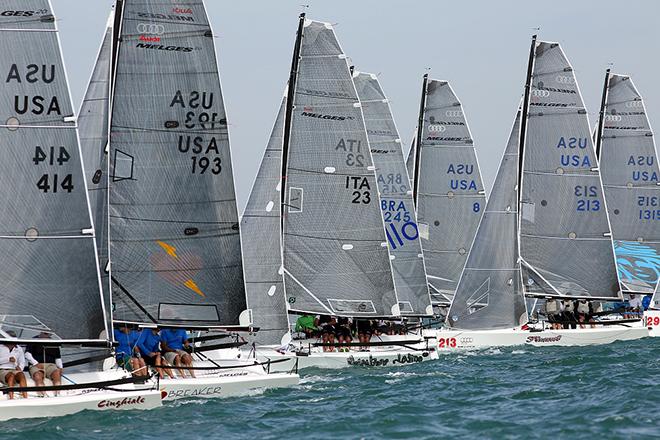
189, 283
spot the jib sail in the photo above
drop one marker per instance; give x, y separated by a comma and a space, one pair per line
49, 278
395, 198
335, 254
449, 195
565, 235
93, 122
629, 169
262, 252
175, 247
489, 294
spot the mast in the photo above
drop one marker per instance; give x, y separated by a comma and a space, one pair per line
521, 153
601, 114
291, 93
525, 109
116, 32
418, 142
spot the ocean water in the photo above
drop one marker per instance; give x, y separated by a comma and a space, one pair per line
610, 391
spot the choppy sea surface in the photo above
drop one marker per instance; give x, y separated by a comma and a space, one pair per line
610, 391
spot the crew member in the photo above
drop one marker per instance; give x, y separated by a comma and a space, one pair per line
12, 364
126, 339
148, 345
45, 362
172, 342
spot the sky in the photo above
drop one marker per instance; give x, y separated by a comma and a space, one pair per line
479, 46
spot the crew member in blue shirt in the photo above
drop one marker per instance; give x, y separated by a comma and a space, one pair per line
125, 351
148, 345
172, 342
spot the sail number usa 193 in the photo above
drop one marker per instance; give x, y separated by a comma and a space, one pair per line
203, 150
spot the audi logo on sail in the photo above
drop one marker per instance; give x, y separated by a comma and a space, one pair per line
151, 28
613, 118
540, 93
453, 113
634, 104
561, 79
437, 128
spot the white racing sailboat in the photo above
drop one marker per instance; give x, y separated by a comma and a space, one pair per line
160, 178
545, 232
315, 241
49, 281
629, 167
447, 188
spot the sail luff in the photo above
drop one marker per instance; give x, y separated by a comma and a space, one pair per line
601, 114
418, 140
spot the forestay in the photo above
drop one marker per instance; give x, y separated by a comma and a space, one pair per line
335, 254
450, 195
489, 294
565, 235
49, 277
629, 169
175, 247
93, 121
260, 227
395, 198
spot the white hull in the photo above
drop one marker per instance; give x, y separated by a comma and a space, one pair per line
453, 340
305, 356
225, 382
652, 322
71, 402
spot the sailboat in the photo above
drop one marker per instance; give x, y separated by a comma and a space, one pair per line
316, 202
50, 281
161, 182
447, 188
629, 166
545, 232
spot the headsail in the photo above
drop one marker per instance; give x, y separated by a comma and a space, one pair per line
49, 278
335, 254
489, 294
410, 160
175, 247
450, 197
565, 234
93, 122
396, 198
260, 227
629, 169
